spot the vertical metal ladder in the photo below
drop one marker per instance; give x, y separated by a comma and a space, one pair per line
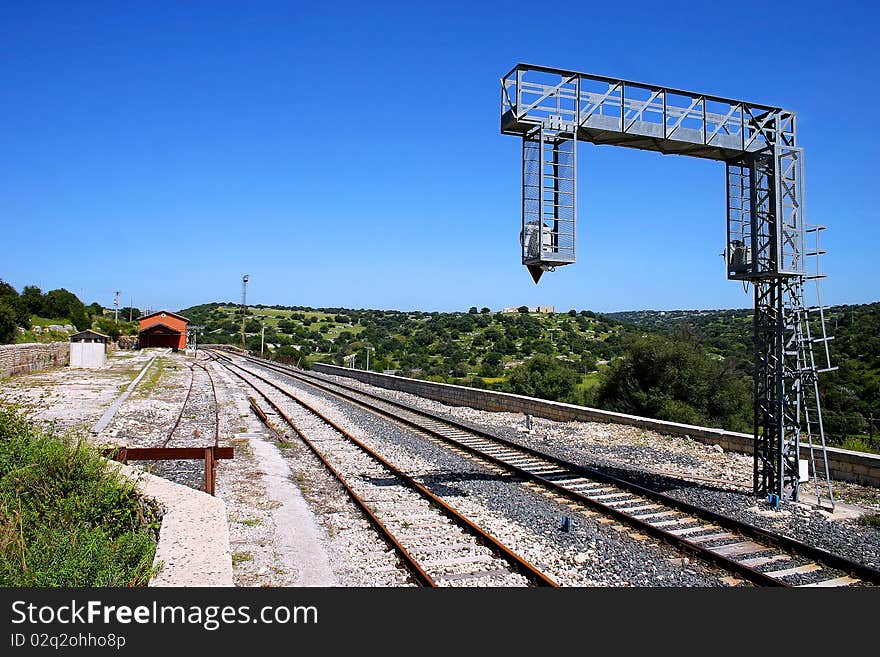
811, 330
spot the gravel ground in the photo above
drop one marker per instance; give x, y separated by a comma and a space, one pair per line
422, 529
356, 554
628, 452
597, 552
78, 399
73, 398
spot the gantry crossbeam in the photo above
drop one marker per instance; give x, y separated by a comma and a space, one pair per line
619, 112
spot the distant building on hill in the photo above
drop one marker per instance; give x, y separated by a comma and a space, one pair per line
546, 310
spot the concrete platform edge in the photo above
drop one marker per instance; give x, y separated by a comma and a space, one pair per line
193, 547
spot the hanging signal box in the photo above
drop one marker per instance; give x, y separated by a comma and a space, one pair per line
549, 200
765, 217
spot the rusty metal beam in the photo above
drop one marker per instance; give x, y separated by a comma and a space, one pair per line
167, 453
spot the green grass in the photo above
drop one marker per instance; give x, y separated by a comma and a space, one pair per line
43, 321
858, 444
239, 557
152, 378
67, 519
251, 522
43, 336
870, 520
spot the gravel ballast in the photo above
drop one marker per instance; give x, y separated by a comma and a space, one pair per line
700, 474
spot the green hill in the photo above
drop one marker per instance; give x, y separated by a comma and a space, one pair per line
467, 346
629, 362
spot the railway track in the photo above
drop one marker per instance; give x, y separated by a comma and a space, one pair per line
197, 425
749, 552
438, 545
196, 431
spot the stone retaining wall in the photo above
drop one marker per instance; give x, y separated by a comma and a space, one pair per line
843, 464
21, 358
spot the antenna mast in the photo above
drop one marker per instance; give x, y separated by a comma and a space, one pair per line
244, 282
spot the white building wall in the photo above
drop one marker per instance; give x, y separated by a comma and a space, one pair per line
88, 354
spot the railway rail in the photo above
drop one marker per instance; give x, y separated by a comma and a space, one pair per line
750, 552
188, 452
437, 544
186, 402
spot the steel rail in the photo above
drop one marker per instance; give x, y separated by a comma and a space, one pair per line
192, 378
775, 540
730, 565
192, 369
216, 405
519, 564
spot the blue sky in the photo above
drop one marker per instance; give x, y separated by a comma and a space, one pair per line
348, 154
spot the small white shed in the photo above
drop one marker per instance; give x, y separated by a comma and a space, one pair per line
88, 349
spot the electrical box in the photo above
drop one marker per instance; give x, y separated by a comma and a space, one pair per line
803, 471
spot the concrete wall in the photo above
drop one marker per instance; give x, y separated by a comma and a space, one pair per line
843, 464
21, 358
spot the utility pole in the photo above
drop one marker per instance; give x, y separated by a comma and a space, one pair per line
262, 338
244, 282
116, 308
130, 302
368, 349
194, 332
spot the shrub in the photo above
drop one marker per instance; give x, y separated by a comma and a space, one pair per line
67, 519
7, 324
544, 377
675, 380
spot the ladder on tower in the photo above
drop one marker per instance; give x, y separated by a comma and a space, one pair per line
812, 337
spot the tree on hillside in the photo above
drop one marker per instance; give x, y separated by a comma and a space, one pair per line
61, 303
675, 380
108, 326
545, 377
32, 297
10, 300
7, 324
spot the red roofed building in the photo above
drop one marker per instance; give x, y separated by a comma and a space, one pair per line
162, 329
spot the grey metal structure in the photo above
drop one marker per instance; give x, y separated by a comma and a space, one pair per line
551, 109
244, 281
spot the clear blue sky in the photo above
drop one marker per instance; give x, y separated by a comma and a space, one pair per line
349, 154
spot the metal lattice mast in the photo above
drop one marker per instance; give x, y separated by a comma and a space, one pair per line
244, 282
551, 109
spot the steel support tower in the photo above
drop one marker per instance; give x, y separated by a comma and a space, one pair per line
244, 281
551, 109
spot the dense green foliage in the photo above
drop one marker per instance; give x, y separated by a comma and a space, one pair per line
454, 347
18, 312
676, 379
7, 324
546, 377
558, 356
108, 326
65, 518
13, 312
850, 396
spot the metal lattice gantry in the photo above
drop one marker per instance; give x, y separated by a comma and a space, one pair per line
552, 109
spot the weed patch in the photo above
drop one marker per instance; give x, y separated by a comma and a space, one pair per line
66, 518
